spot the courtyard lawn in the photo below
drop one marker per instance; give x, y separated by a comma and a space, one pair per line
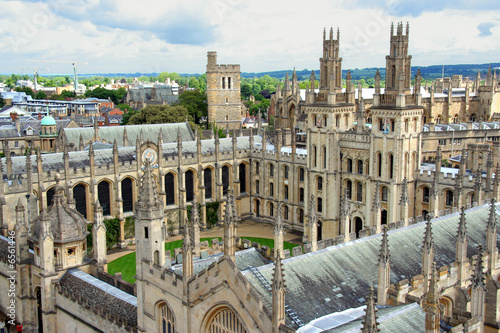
126, 264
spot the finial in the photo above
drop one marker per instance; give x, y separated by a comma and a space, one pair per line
370, 324
462, 229
492, 218
428, 240
478, 277
384, 248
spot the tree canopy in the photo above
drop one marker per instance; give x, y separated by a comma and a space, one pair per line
196, 104
41, 95
26, 90
160, 114
2, 102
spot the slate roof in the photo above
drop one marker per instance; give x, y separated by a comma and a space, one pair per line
101, 294
111, 133
103, 157
8, 131
244, 259
338, 277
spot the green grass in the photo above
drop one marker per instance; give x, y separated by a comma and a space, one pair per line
126, 264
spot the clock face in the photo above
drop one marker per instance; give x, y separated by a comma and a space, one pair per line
149, 154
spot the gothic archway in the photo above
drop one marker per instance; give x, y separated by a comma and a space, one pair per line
166, 318
222, 319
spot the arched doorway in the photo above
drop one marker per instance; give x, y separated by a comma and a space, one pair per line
103, 194
383, 217
80, 196
127, 195
358, 225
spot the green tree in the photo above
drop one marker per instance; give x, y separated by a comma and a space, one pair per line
194, 83
120, 93
103, 93
161, 114
124, 107
246, 90
126, 116
68, 94
26, 90
41, 95
196, 104
50, 83
2, 102
256, 88
262, 106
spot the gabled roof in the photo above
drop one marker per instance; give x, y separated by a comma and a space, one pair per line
338, 277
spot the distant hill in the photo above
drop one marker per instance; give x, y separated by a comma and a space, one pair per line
428, 72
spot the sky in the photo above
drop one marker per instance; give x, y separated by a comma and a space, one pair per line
147, 36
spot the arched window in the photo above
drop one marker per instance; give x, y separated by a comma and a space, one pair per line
383, 217
257, 168
358, 225
349, 165
271, 189
285, 212
207, 181
225, 321
324, 157
349, 189
320, 183
301, 216
286, 192
385, 193
170, 188
225, 179
50, 195
425, 194
189, 185
103, 195
314, 156
360, 167
449, 198
127, 196
301, 194
80, 196
472, 117
156, 257
301, 174
271, 209
243, 178
285, 168
320, 205
167, 319
271, 170
359, 192
379, 162
257, 186
391, 166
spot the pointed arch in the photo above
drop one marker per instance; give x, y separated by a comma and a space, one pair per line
224, 319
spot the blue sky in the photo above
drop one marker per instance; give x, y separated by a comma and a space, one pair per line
174, 36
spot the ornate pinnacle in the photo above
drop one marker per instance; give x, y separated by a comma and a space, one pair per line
431, 304
279, 277
278, 226
492, 218
428, 241
345, 205
434, 187
403, 201
148, 193
384, 248
462, 229
376, 198
370, 324
230, 216
313, 217
195, 217
478, 277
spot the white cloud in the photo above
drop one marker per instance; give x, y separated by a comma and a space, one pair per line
154, 36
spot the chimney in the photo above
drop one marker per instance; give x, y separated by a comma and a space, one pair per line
39, 116
13, 116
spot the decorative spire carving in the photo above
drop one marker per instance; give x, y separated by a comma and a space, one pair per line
278, 225
462, 228
404, 200
148, 192
384, 256
478, 277
312, 221
345, 205
431, 303
376, 198
370, 324
428, 240
492, 218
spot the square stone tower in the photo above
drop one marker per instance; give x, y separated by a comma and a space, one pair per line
223, 93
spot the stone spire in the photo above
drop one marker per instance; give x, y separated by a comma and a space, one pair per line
403, 200
195, 227
491, 237
478, 277
345, 211
187, 254
278, 231
21, 229
431, 303
278, 294
99, 235
125, 137
370, 324
478, 292
376, 197
427, 253
312, 224
230, 226
148, 193
384, 270
461, 250
478, 185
